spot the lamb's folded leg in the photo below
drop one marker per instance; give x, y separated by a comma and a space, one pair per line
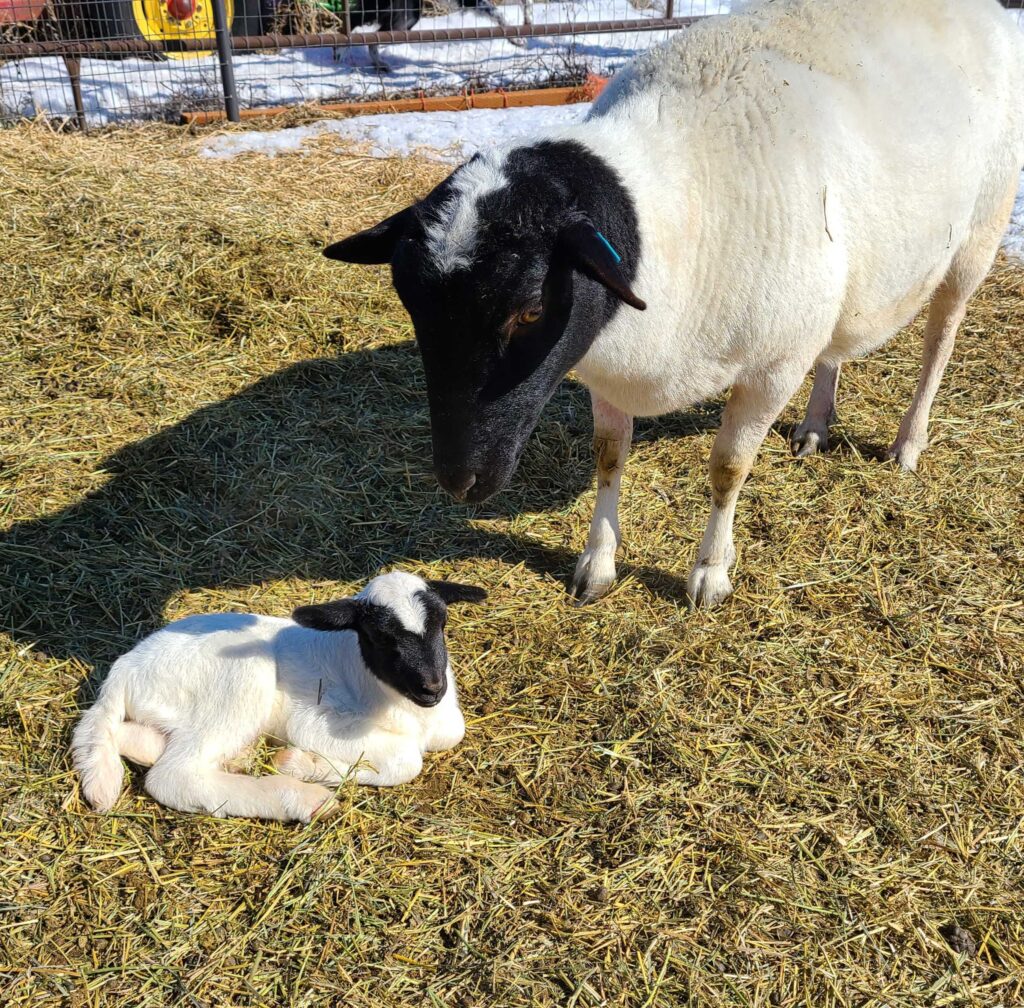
385, 760
181, 780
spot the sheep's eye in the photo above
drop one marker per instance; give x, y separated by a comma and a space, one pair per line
529, 316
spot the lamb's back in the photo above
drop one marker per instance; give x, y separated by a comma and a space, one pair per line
201, 668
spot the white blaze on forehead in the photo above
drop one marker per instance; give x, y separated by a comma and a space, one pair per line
398, 591
451, 236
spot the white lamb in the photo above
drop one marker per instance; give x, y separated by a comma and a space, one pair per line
360, 687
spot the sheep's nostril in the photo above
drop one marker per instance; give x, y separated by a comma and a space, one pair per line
457, 482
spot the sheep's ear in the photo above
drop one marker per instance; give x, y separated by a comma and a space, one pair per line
452, 591
593, 254
374, 245
343, 615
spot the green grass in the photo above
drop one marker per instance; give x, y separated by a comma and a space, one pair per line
787, 801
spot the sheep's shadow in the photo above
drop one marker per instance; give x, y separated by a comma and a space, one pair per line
320, 471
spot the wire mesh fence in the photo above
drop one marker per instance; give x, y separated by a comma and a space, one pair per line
95, 62
101, 61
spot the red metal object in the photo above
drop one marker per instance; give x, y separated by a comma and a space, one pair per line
14, 11
181, 10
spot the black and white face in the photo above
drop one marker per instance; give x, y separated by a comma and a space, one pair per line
399, 620
509, 269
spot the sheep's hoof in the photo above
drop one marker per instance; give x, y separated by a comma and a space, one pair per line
708, 586
592, 580
585, 594
806, 442
906, 456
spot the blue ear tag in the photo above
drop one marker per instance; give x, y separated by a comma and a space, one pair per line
608, 245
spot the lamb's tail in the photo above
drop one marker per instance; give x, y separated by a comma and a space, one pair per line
94, 749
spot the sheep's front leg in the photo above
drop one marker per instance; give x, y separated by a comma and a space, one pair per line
748, 415
595, 570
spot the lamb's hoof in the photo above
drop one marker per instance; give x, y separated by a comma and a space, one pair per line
806, 442
593, 579
328, 809
708, 586
906, 456
303, 802
292, 762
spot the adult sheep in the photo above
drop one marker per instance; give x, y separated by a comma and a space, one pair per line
781, 189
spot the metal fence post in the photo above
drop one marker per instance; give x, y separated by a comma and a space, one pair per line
74, 68
222, 30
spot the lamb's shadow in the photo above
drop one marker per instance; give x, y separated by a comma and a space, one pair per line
320, 471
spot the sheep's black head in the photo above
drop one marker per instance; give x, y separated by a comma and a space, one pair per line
399, 619
509, 269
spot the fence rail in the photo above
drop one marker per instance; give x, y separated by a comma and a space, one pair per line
130, 46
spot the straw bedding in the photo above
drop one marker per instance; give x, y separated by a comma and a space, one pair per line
812, 796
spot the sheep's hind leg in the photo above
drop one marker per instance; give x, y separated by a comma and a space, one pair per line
949, 305
748, 415
944, 317
811, 435
184, 782
595, 569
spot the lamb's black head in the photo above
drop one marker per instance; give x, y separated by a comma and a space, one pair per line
399, 619
508, 269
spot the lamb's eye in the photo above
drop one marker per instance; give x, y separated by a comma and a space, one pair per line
529, 316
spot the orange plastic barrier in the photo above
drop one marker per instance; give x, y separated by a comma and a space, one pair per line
587, 91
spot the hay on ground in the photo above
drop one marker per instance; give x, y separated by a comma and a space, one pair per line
811, 796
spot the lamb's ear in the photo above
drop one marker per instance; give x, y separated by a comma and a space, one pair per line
452, 591
593, 254
342, 615
375, 244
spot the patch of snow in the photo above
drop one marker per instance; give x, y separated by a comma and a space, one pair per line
451, 137
115, 90
1013, 241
